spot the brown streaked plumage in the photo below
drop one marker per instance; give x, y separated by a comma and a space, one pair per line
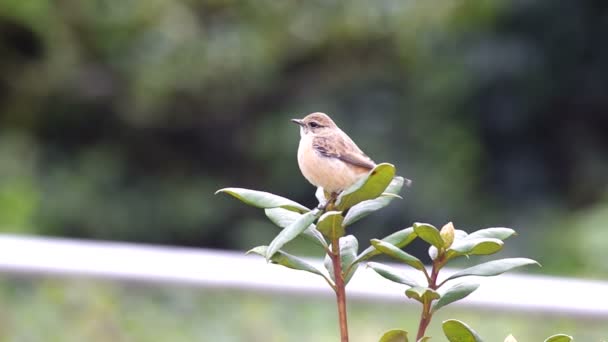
327, 156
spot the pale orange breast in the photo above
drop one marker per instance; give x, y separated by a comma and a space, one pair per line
331, 174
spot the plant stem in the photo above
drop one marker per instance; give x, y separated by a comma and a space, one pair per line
340, 288
425, 319
427, 315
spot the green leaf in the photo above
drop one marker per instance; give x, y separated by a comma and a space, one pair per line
329, 266
559, 338
394, 335
349, 246
392, 274
492, 268
362, 209
330, 224
457, 331
460, 234
429, 234
399, 239
320, 195
494, 233
422, 294
261, 199
283, 218
291, 232
455, 293
395, 186
469, 246
396, 253
348, 251
287, 260
369, 187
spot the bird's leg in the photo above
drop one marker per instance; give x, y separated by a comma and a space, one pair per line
332, 199
329, 202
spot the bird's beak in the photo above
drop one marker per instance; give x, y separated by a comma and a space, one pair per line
298, 121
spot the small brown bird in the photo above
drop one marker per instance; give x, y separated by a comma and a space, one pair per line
327, 157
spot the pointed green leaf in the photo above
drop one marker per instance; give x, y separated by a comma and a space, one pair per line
394, 335
399, 239
392, 274
429, 233
287, 260
492, 268
367, 207
395, 186
494, 232
330, 224
422, 294
487, 247
320, 195
259, 250
349, 246
283, 218
388, 194
362, 209
457, 331
396, 253
559, 338
329, 266
460, 234
472, 246
369, 187
455, 293
348, 251
262, 199
291, 232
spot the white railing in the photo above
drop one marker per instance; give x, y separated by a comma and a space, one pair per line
221, 269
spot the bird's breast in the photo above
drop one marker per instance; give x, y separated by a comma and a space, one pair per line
331, 174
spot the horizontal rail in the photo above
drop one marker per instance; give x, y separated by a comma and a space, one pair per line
221, 269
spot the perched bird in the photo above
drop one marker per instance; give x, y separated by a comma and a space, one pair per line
327, 157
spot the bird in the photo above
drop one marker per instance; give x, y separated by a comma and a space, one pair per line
328, 157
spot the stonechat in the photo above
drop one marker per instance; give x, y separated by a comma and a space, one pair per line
327, 157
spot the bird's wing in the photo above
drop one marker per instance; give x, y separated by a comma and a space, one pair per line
344, 149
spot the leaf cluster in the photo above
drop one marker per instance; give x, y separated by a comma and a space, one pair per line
445, 245
328, 223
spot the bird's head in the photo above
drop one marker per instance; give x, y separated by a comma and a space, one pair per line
315, 123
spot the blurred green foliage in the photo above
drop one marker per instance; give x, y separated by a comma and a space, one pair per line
120, 118
81, 310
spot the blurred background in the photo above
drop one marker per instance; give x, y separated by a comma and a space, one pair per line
119, 120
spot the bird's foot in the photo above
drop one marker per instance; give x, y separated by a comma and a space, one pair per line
329, 204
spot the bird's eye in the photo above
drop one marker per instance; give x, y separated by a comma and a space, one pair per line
314, 125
